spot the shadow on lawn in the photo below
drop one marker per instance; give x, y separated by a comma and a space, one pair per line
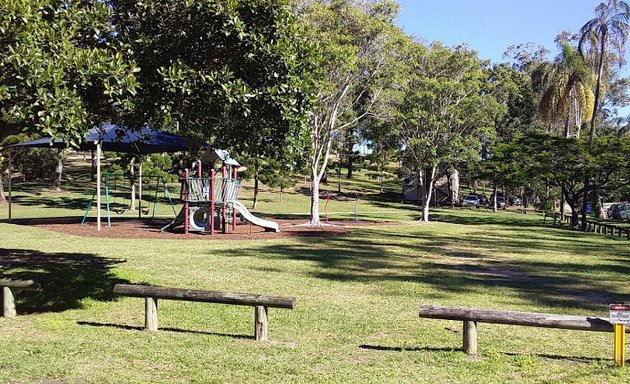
577, 359
65, 278
175, 330
78, 203
458, 265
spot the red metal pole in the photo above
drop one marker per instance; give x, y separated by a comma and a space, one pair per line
199, 169
223, 191
212, 173
234, 210
186, 196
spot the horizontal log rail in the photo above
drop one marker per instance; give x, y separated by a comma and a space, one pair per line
471, 316
7, 295
19, 284
205, 296
151, 294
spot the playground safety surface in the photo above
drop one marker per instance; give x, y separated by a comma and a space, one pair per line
150, 229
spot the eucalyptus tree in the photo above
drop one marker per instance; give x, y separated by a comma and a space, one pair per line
358, 43
601, 37
567, 97
445, 113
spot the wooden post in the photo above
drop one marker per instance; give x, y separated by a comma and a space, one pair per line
470, 337
260, 323
8, 303
151, 314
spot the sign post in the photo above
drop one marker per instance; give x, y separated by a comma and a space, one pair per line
620, 317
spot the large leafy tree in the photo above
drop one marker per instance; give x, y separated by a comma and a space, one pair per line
358, 43
564, 162
60, 73
445, 112
234, 74
600, 38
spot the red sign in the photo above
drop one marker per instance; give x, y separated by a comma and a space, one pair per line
620, 307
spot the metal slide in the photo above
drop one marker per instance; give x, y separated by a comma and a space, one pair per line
267, 224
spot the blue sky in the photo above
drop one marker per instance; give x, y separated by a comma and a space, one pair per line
490, 26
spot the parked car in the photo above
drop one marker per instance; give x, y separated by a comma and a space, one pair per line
616, 210
621, 211
471, 201
515, 200
483, 199
500, 200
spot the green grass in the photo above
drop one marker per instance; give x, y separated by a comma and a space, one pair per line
356, 319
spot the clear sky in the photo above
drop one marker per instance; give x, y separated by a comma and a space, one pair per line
490, 26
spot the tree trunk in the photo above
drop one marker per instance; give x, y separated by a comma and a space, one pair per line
56, 183
561, 203
494, 200
454, 182
597, 206
255, 189
3, 197
600, 69
132, 184
584, 202
314, 198
427, 178
566, 127
349, 154
93, 163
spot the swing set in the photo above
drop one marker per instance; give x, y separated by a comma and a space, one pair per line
119, 191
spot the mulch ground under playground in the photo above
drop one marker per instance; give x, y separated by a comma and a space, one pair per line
150, 229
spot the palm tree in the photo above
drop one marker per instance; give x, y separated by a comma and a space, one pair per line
607, 30
566, 90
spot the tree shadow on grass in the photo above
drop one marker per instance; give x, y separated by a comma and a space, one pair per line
65, 278
474, 263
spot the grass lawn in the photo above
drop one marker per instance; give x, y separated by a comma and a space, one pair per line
357, 301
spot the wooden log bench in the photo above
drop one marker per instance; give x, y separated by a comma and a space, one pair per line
151, 294
7, 293
471, 316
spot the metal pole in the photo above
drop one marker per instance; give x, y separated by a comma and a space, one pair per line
140, 189
98, 185
212, 174
234, 210
10, 181
186, 203
620, 342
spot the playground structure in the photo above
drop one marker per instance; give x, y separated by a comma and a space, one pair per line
117, 187
210, 203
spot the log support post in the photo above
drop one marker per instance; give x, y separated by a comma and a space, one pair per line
151, 314
260, 323
8, 303
470, 337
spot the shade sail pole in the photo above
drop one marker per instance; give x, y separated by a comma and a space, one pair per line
140, 189
98, 185
10, 181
